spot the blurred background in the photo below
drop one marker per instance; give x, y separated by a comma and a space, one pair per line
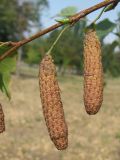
90, 137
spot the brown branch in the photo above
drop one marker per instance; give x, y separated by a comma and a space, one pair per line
73, 19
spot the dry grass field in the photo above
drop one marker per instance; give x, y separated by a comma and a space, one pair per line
90, 137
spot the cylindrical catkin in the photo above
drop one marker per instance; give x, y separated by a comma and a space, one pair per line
2, 123
93, 73
52, 104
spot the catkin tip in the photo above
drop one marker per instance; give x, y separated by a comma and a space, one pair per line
61, 143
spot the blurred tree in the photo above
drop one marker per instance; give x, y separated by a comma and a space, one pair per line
34, 52
112, 53
68, 51
17, 16
111, 60
118, 30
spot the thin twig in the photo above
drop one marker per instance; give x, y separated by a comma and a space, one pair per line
73, 19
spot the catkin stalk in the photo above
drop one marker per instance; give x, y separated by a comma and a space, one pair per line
2, 123
51, 103
93, 73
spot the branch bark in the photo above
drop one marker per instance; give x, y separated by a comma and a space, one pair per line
73, 19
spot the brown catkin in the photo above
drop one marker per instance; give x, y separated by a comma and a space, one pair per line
51, 103
2, 123
93, 73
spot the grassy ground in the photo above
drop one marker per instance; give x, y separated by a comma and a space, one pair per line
90, 137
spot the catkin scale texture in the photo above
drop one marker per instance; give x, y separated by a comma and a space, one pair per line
2, 123
93, 73
52, 104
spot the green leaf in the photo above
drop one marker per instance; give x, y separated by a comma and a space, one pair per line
4, 81
68, 11
6, 67
63, 21
104, 28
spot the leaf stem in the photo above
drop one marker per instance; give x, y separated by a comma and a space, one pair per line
57, 39
98, 17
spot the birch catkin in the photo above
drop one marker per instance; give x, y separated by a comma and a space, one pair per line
2, 123
51, 103
93, 73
